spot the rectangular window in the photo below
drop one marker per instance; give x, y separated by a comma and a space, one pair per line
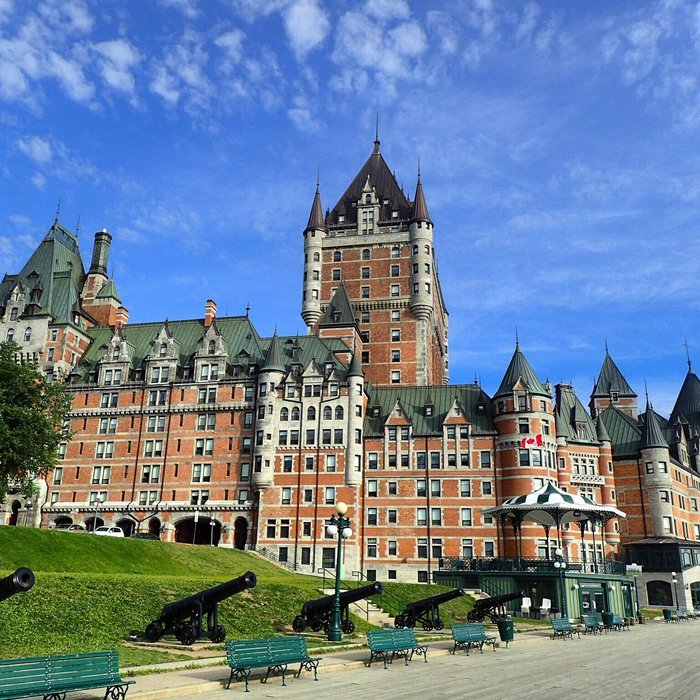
395, 290
392, 516
524, 458
436, 516
435, 487
392, 487
466, 516
286, 495
371, 547
201, 473
421, 488
465, 487
395, 335
523, 425
486, 488
364, 292
485, 459
392, 548
422, 516
435, 460
467, 549
371, 516
373, 460
668, 525
105, 450
372, 489
422, 548
649, 467
331, 463
330, 495
421, 460
287, 463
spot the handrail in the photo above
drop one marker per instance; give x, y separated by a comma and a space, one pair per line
270, 556
494, 564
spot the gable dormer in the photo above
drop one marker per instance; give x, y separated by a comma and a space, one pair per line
162, 361
211, 356
368, 207
15, 305
116, 361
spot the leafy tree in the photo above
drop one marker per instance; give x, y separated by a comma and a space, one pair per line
32, 412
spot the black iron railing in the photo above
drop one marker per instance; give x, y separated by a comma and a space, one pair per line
485, 565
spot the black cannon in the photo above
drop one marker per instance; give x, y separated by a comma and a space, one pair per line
19, 582
426, 611
317, 613
493, 607
184, 618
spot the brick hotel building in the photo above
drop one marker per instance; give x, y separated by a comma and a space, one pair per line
204, 431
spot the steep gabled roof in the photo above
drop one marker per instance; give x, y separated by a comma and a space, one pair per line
623, 430
569, 414
651, 430
687, 404
109, 291
519, 368
610, 379
339, 311
381, 178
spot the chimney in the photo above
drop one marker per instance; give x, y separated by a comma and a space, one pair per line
122, 318
209, 312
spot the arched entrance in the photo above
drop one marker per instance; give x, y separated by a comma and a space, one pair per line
14, 513
93, 523
62, 520
127, 525
659, 593
154, 526
240, 533
202, 531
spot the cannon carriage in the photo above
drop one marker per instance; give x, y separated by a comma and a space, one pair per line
426, 611
493, 607
317, 614
18, 582
185, 618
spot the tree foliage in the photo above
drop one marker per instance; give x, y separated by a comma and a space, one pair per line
32, 412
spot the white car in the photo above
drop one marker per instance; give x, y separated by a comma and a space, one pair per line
109, 531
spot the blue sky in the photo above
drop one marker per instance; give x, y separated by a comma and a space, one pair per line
558, 144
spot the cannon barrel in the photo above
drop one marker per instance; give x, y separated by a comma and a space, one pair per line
209, 597
426, 603
497, 600
346, 597
21, 580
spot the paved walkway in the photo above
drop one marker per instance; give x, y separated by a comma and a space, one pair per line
652, 661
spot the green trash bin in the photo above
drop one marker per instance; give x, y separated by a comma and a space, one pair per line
506, 629
607, 618
668, 615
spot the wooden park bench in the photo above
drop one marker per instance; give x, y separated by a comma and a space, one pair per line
53, 676
471, 635
592, 624
564, 629
275, 653
390, 644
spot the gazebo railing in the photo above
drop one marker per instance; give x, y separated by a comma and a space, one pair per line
494, 564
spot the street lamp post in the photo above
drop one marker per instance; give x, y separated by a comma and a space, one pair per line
28, 506
338, 525
560, 566
97, 502
674, 581
194, 531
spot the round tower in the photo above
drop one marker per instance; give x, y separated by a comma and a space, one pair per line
313, 263
420, 231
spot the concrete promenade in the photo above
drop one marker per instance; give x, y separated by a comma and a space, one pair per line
656, 660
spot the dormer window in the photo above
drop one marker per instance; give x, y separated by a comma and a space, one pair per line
341, 218
116, 353
395, 214
13, 314
428, 410
163, 349
581, 430
368, 199
212, 347
522, 402
614, 396
375, 411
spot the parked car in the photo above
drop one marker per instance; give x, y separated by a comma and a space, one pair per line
144, 536
72, 527
109, 531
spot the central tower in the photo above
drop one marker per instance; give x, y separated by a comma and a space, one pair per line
380, 246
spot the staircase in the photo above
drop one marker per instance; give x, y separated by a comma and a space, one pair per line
367, 610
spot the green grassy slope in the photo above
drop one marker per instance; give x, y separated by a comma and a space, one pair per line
91, 592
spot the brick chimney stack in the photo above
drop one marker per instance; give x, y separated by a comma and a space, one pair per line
209, 312
122, 318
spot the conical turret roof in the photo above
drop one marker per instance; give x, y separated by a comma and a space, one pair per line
316, 220
519, 368
384, 182
651, 431
339, 311
420, 208
601, 430
688, 402
611, 379
273, 360
109, 291
355, 369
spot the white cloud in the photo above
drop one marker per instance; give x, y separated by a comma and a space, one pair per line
6, 9
302, 116
306, 25
71, 16
39, 180
37, 149
117, 59
231, 44
187, 7
384, 10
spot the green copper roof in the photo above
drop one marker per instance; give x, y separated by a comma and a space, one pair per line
601, 430
688, 402
610, 379
414, 399
623, 430
519, 368
109, 291
651, 431
339, 311
569, 414
273, 359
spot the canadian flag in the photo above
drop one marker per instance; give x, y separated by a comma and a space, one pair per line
531, 441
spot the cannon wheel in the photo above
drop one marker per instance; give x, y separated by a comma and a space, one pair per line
187, 634
473, 616
348, 627
427, 625
439, 625
399, 621
410, 622
326, 627
316, 625
153, 632
218, 634
299, 624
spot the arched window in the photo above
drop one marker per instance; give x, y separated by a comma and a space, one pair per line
338, 412
368, 199
327, 413
317, 257
10, 335
415, 250
365, 254
13, 314
427, 250
337, 256
27, 334
163, 349
116, 354
284, 413
311, 413
212, 347
295, 413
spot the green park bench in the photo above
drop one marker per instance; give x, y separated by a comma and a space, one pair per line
563, 629
592, 623
471, 635
390, 644
275, 653
53, 676
619, 623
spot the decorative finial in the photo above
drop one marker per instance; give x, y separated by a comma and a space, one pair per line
687, 354
77, 227
376, 137
247, 309
517, 339
318, 179
58, 211
606, 347
646, 393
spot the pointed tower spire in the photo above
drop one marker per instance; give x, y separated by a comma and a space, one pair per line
687, 354
601, 430
420, 208
651, 430
273, 360
355, 369
376, 137
316, 216
58, 211
519, 368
